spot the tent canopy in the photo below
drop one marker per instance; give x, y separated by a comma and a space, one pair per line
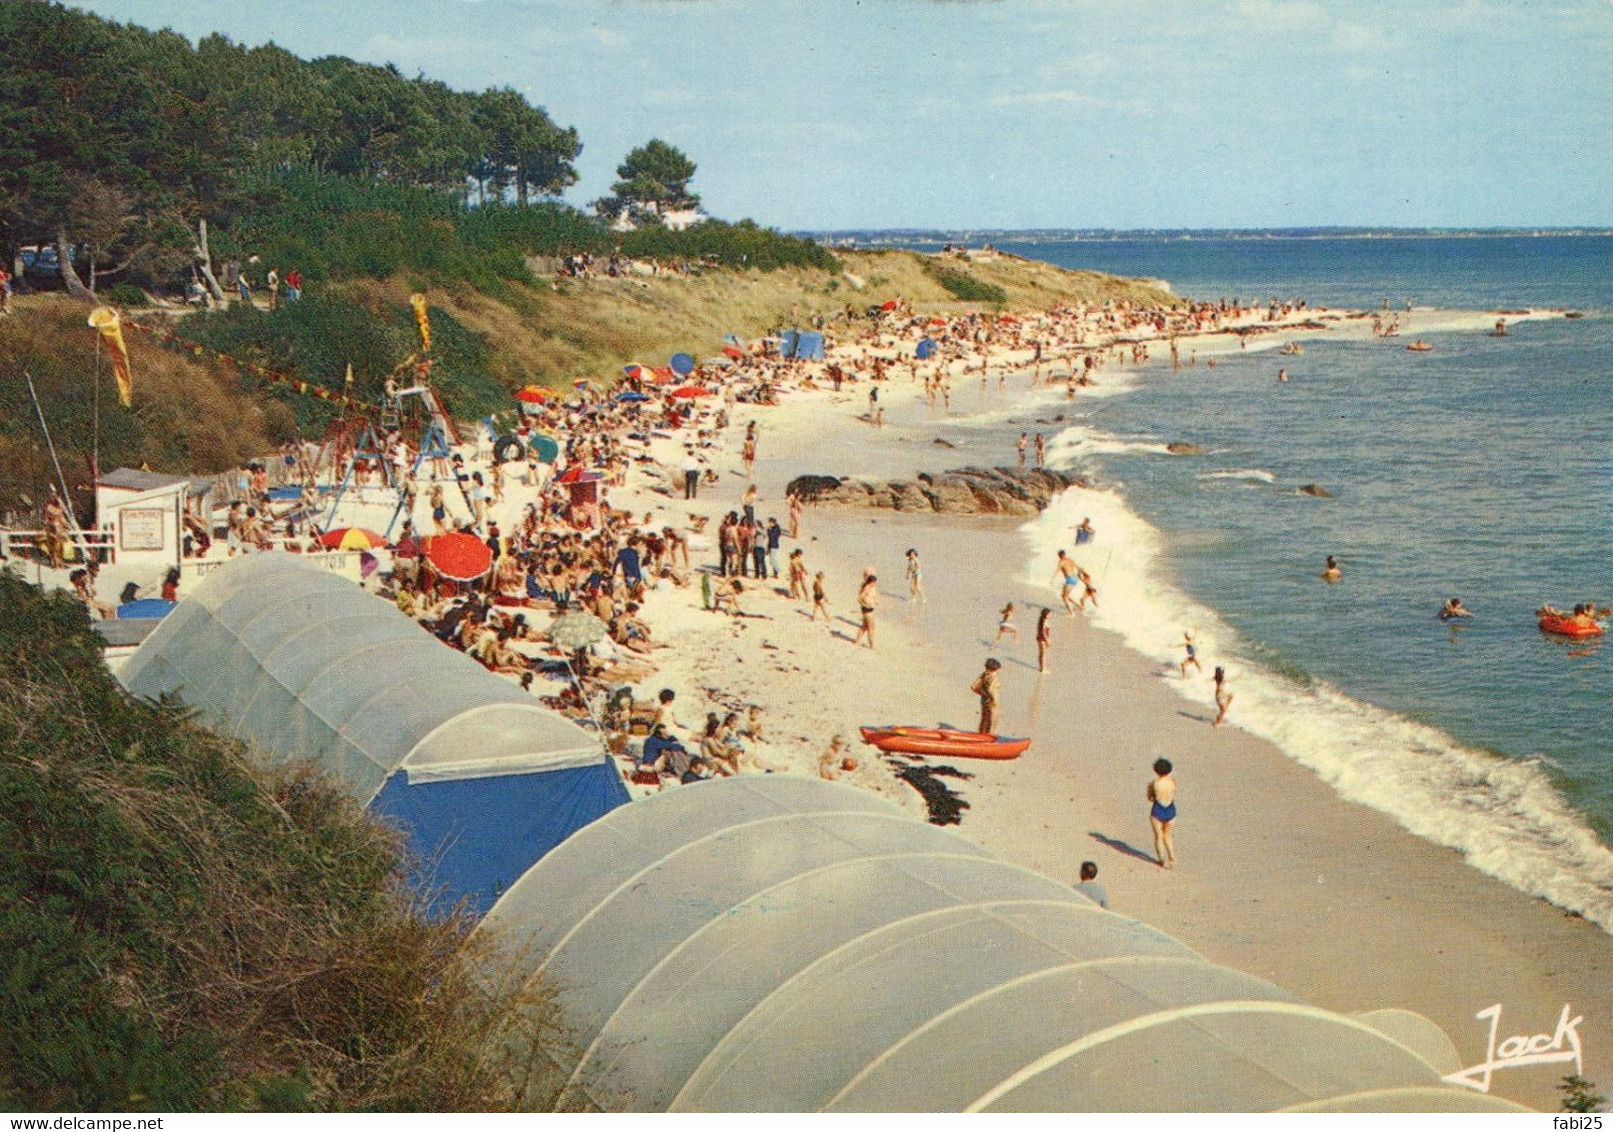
770, 943
303, 664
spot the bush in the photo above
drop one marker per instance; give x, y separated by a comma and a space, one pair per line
180, 931
123, 295
962, 285
740, 245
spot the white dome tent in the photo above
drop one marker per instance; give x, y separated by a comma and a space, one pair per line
769, 943
301, 663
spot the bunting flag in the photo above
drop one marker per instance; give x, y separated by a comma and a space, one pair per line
106, 320
252, 368
422, 320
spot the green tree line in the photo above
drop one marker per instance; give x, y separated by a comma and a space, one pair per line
115, 141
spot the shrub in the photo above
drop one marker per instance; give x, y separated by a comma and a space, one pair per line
962, 285
741, 245
123, 295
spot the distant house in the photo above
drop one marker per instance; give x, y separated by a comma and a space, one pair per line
676, 220
145, 513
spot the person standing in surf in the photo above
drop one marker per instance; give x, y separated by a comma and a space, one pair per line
1069, 572
1223, 698
1044, 638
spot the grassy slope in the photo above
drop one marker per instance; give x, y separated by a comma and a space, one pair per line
200, 415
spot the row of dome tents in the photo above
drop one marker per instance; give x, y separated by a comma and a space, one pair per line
762, 943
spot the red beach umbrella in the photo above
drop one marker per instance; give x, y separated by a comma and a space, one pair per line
888, 305
459, 556
533, 395
663, 375
734, 352
576, 474
691, 391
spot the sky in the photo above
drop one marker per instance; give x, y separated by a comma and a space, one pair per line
863, 114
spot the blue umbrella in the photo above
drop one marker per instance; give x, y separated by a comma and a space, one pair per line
631, 396
926, 348
547, 448
148, 608
682, 364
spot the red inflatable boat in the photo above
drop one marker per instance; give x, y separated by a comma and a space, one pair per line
1566, 627
944, 741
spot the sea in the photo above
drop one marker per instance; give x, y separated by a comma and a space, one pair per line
1482, 469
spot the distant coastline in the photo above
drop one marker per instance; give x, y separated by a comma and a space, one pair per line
904, 237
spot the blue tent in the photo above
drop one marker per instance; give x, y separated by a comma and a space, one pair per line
807, 344
470, 839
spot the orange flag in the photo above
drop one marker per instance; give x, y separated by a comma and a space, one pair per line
105, 319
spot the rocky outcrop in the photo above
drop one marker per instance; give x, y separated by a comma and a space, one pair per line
963, 491
1317, 490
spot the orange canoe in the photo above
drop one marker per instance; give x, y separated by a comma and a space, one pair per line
944, 741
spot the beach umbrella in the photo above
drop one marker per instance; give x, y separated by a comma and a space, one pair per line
583, 383
733, 352
631, 397
578, 475
662, 375
691, 391
573, 631
938, 322
351, 538
148, 608
888, 305
547, 448
533, 395
460, 557
682, 364
926, 348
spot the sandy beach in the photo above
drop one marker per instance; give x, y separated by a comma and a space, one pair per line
1279, 875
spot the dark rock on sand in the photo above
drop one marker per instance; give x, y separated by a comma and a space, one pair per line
943, 443
1317, 490
1183, 448
963, 491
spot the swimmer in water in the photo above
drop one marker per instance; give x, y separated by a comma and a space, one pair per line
1282, 375
1454, 609
1331, 572
1162, 812
1084, 532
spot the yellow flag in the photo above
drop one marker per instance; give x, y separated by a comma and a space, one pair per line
349, 374
418, 301
105, 319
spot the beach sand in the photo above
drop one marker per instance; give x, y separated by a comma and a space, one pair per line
1278, 876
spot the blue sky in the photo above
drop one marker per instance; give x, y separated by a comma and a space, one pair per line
817, 114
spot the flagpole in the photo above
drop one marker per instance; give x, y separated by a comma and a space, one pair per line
67, 496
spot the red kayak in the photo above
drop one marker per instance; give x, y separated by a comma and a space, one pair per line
1566, 627
944, 741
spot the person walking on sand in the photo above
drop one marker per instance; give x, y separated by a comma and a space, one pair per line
1192, 656
1162, 812
1024, 440
1069, 572
691, 473
798, 573
867, 598
1005, 624
985, 686
1223, 698
820, 599
915, 577
1044, 638
795, 515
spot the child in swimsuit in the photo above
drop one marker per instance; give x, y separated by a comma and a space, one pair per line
1192, 656
1005, 624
